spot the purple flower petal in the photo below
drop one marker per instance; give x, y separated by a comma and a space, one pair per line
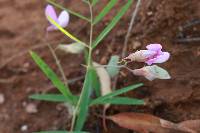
154, 47
150, 61
63, 19
162, 58
50, 11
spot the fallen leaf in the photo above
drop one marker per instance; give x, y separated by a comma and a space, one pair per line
145, 123
192, 126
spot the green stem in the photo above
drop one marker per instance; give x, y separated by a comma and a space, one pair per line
91, 37
89, 65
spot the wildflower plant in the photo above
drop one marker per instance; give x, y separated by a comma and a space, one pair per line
83, 102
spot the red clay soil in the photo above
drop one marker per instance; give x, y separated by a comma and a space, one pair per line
169, 22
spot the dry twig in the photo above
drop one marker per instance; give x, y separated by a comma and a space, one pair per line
134, 14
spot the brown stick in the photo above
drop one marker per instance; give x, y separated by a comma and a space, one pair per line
134, 14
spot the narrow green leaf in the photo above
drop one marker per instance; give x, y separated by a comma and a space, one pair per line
49, 97
112, 23
96, 83
94, 2
70, 11
84, 100
86, 56
54, 78
60, 132
112, 67
65, 32
103, 13
115, 93
121, 101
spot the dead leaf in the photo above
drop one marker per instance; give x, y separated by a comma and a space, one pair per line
192, 126
74, 48
104, 79
145, 123
105, 82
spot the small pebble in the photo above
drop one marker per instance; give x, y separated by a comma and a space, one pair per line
24, 103
97, 52
24, 128
26, 65
31, 108
2, 98
149, 13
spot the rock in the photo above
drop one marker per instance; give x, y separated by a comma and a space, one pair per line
135, 44
150, 13
31, 108
24, 128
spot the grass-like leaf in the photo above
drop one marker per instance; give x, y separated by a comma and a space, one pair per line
49, 97
84, 100
105, 10
115, 93
112, 23
54, 78
70, 11
121, 101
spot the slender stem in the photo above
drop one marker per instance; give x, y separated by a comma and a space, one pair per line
60, 68
58, 65
91, 35
121, 66
89, 63
130, 28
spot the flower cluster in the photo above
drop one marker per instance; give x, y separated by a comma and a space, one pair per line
152, 55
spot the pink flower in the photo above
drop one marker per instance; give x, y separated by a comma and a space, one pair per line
62, 19
153, 54
152, 72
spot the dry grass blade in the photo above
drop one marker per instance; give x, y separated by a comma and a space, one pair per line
105, 82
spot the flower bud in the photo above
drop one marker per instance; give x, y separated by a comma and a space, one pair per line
62, 19
152, 72
153, 54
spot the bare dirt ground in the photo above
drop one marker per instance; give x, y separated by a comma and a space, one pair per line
22, 26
